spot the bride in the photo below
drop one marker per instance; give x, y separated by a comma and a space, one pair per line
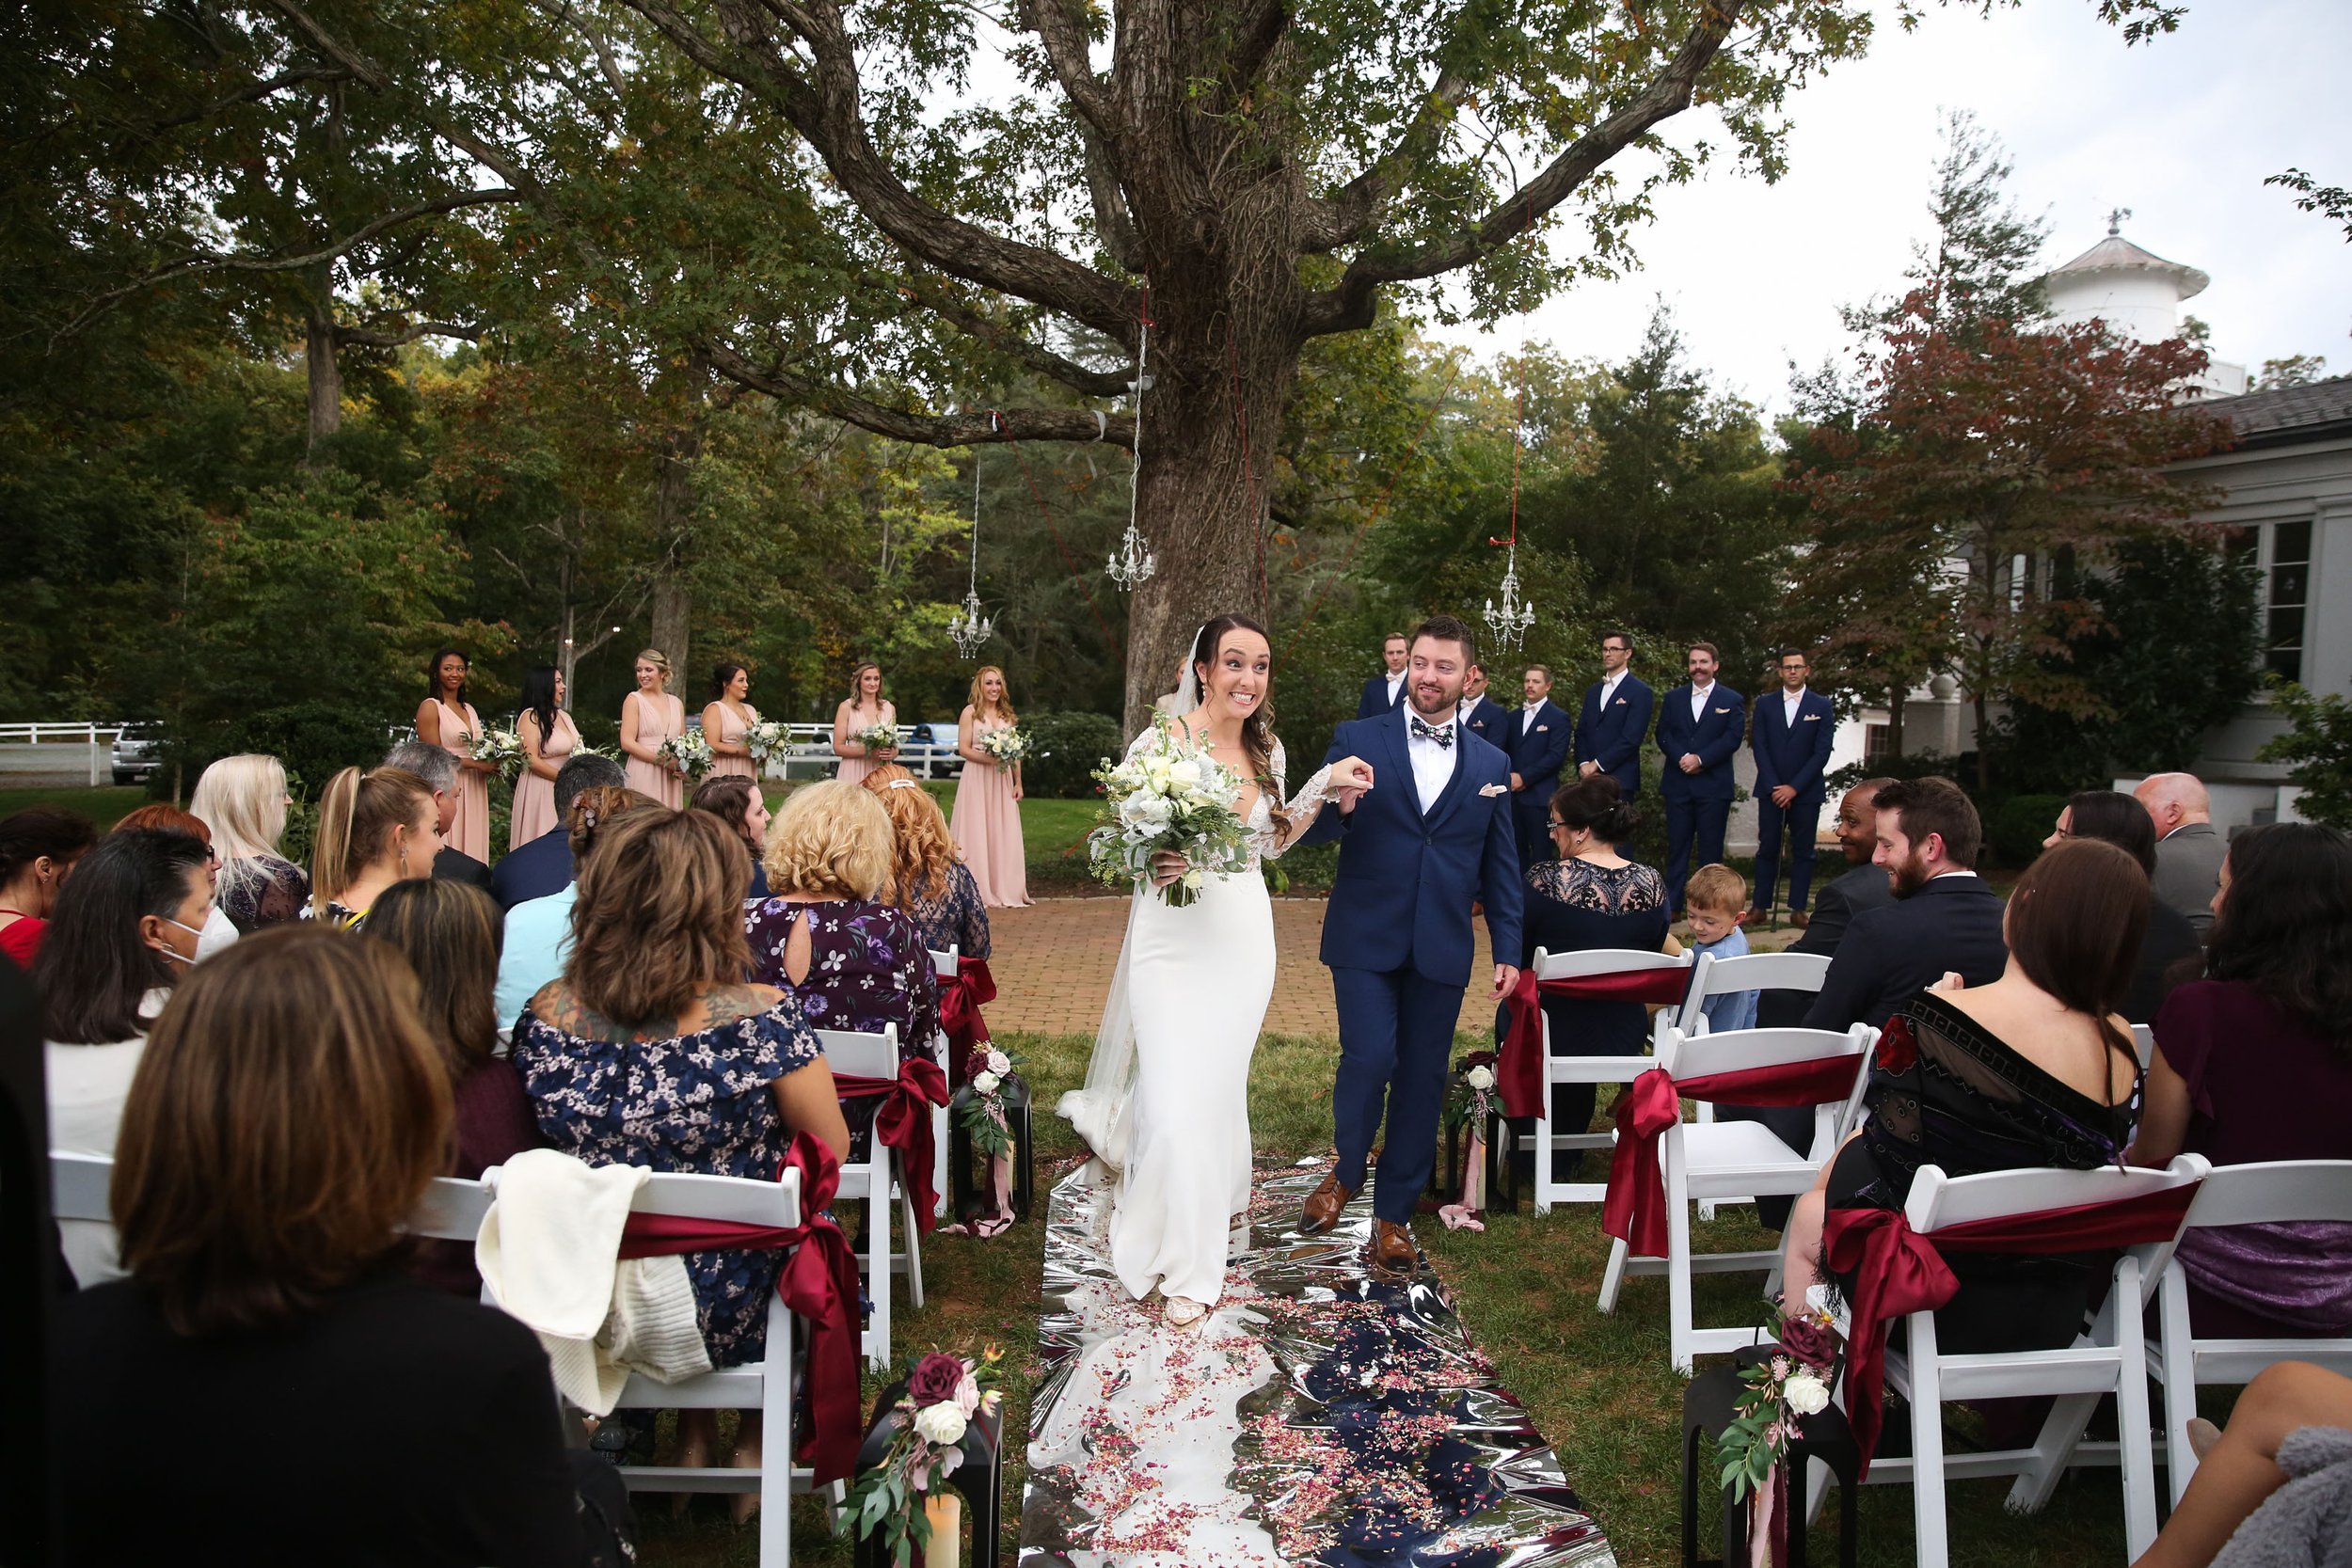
1166, 1106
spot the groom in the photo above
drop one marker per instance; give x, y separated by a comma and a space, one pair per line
1415, 853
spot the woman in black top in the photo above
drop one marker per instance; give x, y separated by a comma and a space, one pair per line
2114, 818
270, 1380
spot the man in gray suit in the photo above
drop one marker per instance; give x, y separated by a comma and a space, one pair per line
2189, 853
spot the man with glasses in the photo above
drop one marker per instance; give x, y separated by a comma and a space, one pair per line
1791, 744
1700, 726
1615, 718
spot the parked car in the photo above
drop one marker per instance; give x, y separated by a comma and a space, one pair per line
138, 753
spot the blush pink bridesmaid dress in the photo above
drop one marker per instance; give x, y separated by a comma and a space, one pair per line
987, 828
659, 719
469, 831
732, 728
534, 797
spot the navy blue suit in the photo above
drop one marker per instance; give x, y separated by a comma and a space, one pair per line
1538, 754
1375, 700
1698, 805
1396, 936
1793, 755
1490, 721
1612, 738
540, 868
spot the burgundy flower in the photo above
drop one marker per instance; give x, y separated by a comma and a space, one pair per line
934, 1379
1813, 1343
1478, 1058
1897, 1048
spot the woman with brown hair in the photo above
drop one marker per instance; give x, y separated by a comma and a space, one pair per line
538, 931
2114, 818
862, 709
38, 848
285, 1120
2036, 1069
735, 799
651, 1050
987, 823
935, 888
375, 829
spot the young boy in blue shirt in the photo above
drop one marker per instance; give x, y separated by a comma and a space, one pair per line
1717, 900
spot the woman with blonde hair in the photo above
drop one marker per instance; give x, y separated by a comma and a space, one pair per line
242, 800
651, 1050
933, 885
827, 931
649, 716
287, 1115
375, 829
987, 823
862, 709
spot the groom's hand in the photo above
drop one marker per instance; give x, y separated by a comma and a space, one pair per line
1506, 980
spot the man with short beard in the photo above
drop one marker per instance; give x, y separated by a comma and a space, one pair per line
1863, 886
1944, 919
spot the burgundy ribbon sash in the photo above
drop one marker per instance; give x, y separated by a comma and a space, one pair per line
1896, 1271
1634, 1209
1521, 1071
960, 1019
903, 1122
819, 1283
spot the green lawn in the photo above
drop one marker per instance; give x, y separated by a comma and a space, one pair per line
105, 806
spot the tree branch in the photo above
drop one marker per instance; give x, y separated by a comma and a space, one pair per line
953, 430
1349, 214
371, 336
973, 323
327, 44
250, 92
1065, 40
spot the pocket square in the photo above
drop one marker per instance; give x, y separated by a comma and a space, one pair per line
1494, 790
1722, 710
1812, 718
1543, 729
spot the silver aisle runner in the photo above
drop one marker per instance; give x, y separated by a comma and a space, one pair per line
1318, 1417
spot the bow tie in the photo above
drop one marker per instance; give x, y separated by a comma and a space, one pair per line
1441, 734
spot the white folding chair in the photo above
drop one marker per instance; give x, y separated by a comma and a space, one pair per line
2108, 1357
77, 1187
946, 966
2285, 1192
2144, 1042
875, 1180
1713, 976
1731, 1160
1573, 1068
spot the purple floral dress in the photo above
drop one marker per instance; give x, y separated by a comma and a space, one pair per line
867, 966
699, 1104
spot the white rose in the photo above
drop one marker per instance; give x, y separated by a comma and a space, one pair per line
941, 1423
1192, 881
1804, 1393
1183, 773
1479, 1077
985, 1083
998, 1062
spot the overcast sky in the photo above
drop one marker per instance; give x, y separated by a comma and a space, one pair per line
2182, 131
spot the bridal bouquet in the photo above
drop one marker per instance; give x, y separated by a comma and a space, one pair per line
1006, 745
501, 747
768, 739
881, 737
691, 751
900, 1496
1167, 796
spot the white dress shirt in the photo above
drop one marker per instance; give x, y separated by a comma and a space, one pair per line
1698, 698
1789, 703
1609, 685
1527, 717
1433, 764
1394, 681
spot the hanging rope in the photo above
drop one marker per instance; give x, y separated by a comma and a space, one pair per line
1134, 562
1258, 520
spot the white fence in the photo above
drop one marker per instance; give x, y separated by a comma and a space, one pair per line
94, 739
812, 749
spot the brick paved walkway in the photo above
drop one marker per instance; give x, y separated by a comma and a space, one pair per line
1054, 961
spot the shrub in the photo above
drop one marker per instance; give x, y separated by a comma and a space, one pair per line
2318, 742
1066, 750
312, 739
2021, 824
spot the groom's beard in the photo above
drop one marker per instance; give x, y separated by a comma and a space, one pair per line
1445, 703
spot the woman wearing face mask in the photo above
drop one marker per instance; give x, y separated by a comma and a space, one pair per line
124, 930
162, 817
375, 829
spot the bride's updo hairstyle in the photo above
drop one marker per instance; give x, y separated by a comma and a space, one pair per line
1257, 731
1596, 805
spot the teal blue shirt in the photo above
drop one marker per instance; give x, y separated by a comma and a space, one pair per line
538, 940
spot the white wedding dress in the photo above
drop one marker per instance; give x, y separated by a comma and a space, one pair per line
1166, 1107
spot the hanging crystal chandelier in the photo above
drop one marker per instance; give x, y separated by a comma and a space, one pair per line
967, 628
1133, 562
1510, 619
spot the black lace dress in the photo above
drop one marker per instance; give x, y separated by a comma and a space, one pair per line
1574, 906
262, 891
1955, 1096
952, 916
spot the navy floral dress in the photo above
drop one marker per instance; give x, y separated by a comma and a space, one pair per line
699, 1104
953, 916
868, 965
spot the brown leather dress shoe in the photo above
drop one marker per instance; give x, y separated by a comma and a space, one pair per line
1393, 1248
1800, 919
1321, 1210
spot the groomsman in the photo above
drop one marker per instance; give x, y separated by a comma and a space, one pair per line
1615, 721
1540, 735
1791, 746
1484, 718
1700, 726
1384, 692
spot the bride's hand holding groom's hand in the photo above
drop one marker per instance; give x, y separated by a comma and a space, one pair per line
1350, 778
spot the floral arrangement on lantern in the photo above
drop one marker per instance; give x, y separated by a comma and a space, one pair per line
944, 1393
1469, 1101
983, 1115
1794, 1380
503, 749
1168, 796
691, 751
768, 739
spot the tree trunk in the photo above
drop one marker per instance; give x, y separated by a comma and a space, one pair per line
326, 378
673, 520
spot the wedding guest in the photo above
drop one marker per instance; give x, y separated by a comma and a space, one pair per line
2239, 1469
987, 820
440, 774
934, 887
1383, 691
545, 865
735, 799
549, 738
538, 931
651, 1050
1590, 897
449, 933
1863, 886
2188, 850
375, 829
727, 718
286, 1119
125, 931
447, 720
1715, 897
827, 933
242, 801
649, 716
38, 848
862, 709
2035, 1068
2114, 818
2254, 1063
162, 817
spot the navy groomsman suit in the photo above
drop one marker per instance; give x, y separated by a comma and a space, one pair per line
1539, 745
1489, 721
1792, 754
1611, 732
1698, 805
1381, 694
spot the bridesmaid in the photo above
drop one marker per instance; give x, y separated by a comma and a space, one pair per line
725, 721
650, 716
549, 737
862, 709
446, 719
987, 823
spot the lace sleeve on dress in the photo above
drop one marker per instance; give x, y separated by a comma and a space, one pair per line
1301, 808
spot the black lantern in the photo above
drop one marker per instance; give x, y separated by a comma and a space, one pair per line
967, 1168
979, 1476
